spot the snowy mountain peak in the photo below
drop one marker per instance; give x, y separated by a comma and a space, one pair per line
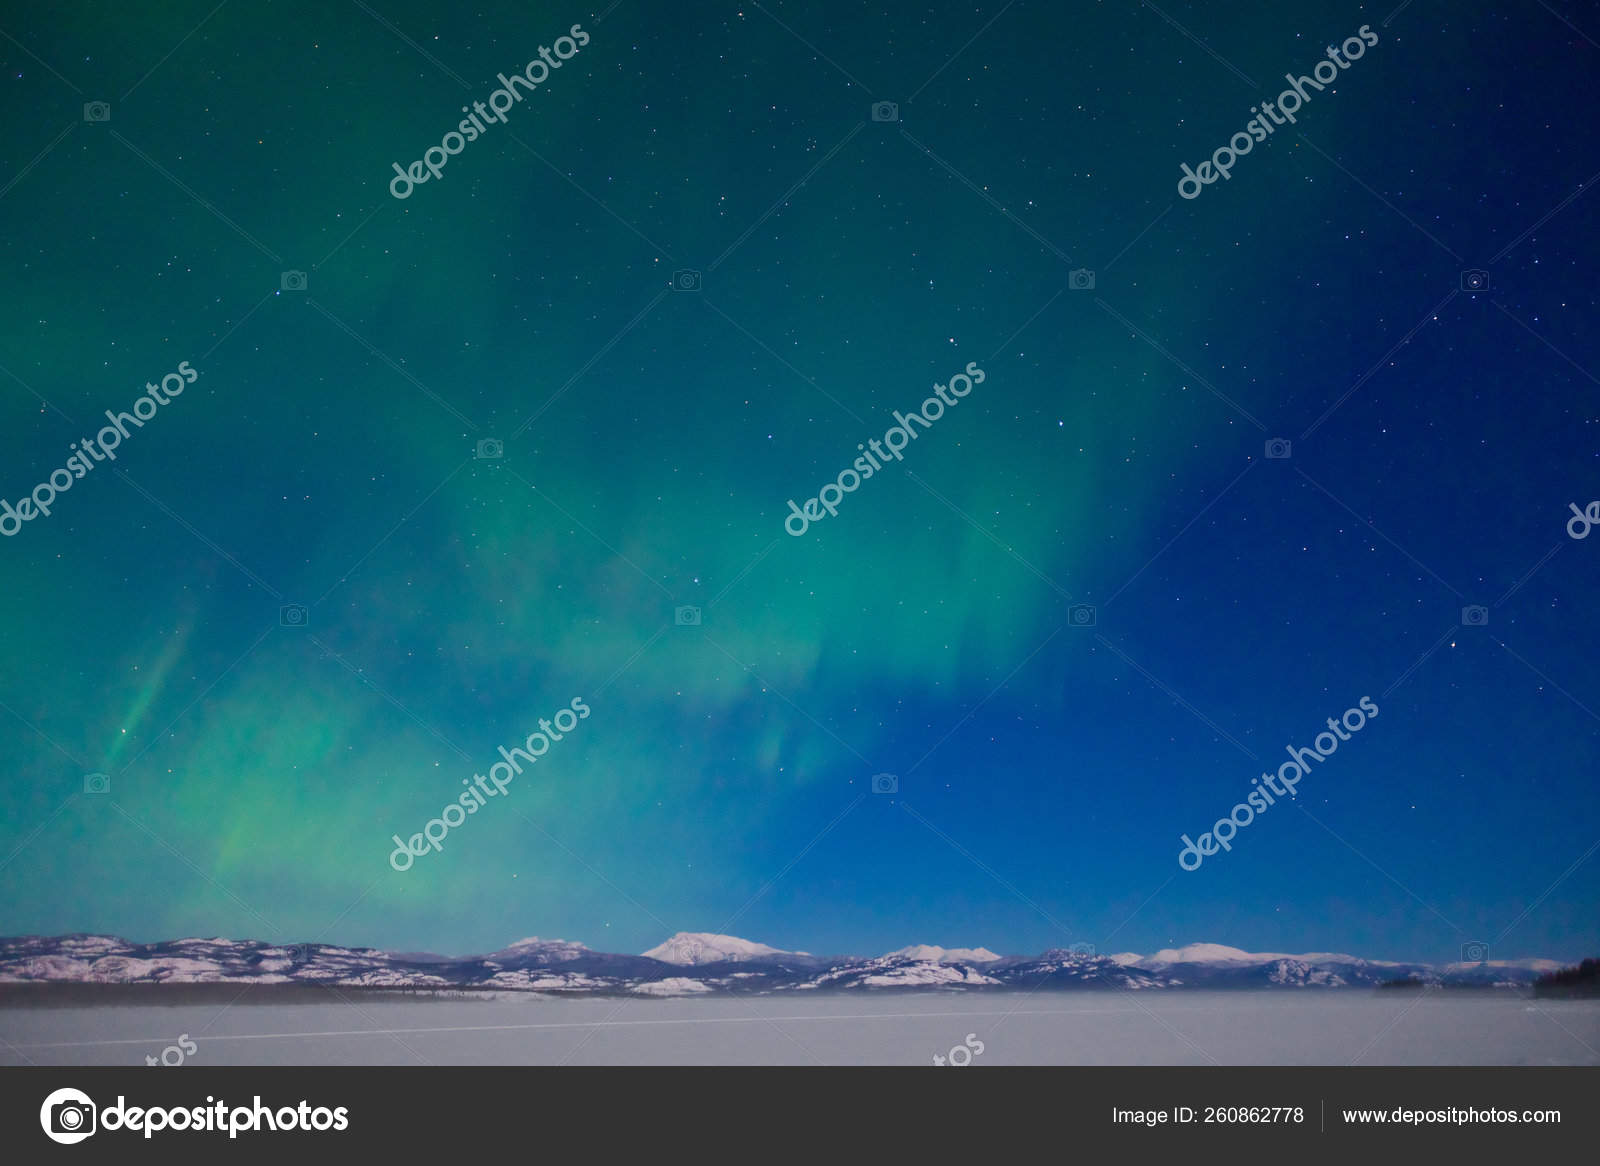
1220, 955
1207, 953
535, 941
703, 947
534, 951
945, 955
1527, 965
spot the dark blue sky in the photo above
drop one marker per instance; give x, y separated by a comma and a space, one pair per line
1113, 455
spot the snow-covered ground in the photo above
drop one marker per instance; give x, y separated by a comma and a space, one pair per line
1015, 1028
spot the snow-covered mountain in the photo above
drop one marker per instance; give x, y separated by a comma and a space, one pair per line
550, 950
947, 955
897, 971
703, 947
697, 963
1063, 968
1215, 954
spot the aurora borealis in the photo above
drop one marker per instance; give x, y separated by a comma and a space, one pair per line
299, 611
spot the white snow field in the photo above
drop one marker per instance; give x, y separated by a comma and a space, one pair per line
1300, 1027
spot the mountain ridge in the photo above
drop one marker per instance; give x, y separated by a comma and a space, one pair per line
697, 963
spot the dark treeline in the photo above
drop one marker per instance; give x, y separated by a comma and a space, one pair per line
1583, 980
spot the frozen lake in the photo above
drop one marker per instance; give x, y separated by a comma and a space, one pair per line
1175, 1028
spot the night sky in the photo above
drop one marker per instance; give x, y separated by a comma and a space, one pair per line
1048, 756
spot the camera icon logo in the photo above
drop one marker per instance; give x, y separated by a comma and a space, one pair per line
1081, 615
1080, 279
885, 783
96, 111
1279, 447
686, 280
1083, 949
1475, 616
97, 783
885, 111
1474, 951
294, 281
686, 617
293, 615
490, 447
1474, 280
686, 951
68, 1116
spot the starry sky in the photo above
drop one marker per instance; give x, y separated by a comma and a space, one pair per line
299, 609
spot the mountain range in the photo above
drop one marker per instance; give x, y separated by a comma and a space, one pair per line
698, 963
